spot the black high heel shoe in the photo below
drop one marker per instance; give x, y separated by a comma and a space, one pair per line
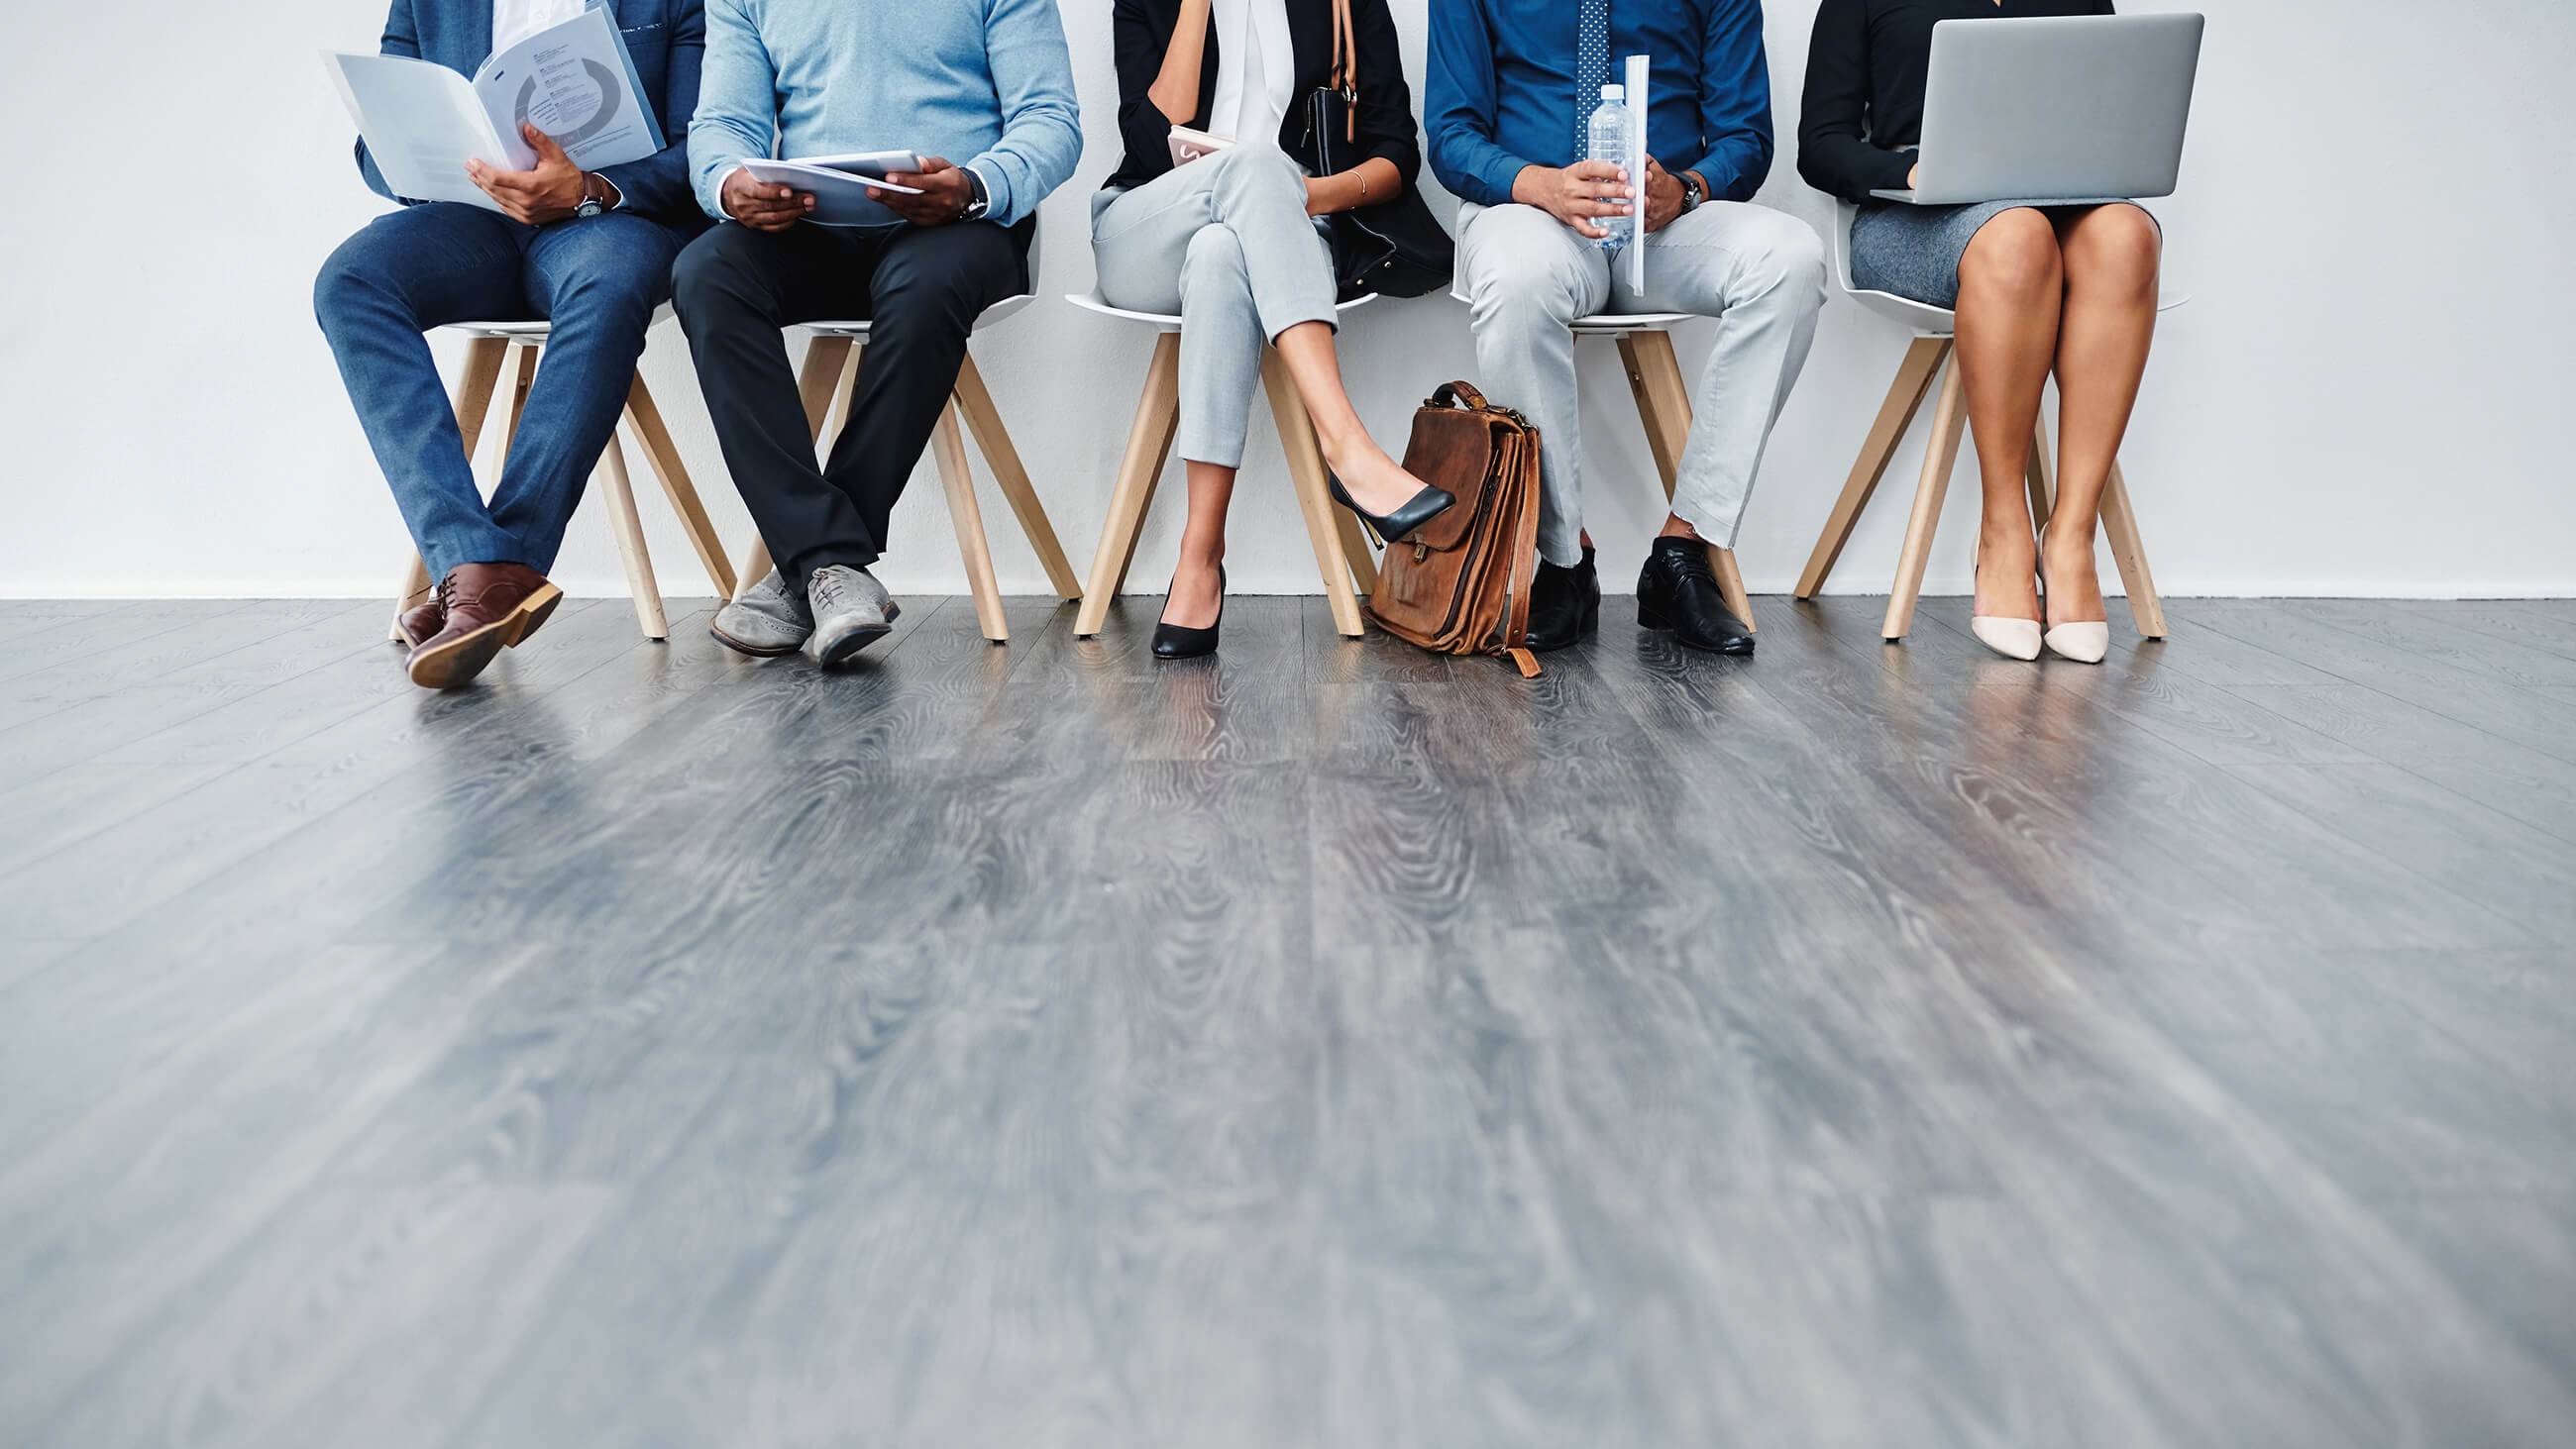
1173, 641
1394, 527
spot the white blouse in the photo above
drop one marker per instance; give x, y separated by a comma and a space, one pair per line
512, 19
1256, 70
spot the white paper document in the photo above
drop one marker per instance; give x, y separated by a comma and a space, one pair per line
1635, 90
423, 122
840, 185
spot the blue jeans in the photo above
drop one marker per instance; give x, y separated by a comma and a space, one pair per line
598, 280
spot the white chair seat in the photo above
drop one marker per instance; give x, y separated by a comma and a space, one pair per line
1617, 324
1006, 307
533, 329
1091, 301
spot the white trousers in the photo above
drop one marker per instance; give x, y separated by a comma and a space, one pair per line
1527, 276
1225, 242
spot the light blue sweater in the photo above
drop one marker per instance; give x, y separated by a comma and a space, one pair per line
984, 83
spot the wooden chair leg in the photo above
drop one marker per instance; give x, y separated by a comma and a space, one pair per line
950, 447
756, 565
974, 402
618, 492
473, 403
1949, 421
1663, 405
2120, 526
1149, 442
1162, 455
523, 376
1904, 399
663, 457
1314, 496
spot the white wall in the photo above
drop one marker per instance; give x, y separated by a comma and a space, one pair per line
2365, 397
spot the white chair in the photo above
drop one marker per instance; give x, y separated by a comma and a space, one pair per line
519, 343
1663, 405
830, 380
1341, 552
1933, 342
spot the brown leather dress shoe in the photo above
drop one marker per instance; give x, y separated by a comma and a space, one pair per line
488, 606
421, 623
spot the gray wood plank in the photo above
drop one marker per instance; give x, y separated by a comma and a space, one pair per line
1324, 1043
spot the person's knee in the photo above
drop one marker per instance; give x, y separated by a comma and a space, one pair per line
1253, 170
346, 285
2015, 254
1512, 283
2116, 248
1214, 263
1786, 257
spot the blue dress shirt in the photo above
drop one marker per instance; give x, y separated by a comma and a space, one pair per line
1500, 91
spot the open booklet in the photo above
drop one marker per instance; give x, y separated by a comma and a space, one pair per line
423, 122
840, 184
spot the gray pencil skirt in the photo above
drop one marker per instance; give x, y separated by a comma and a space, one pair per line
1914, 251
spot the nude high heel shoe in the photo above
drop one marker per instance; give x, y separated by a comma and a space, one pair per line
2010, 637
2083, 643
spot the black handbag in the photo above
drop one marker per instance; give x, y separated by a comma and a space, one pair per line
1395, 248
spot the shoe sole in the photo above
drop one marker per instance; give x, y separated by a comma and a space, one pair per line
1649, 619
848, 645
739, 647
461, 659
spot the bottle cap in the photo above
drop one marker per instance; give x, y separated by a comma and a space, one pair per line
1614, 93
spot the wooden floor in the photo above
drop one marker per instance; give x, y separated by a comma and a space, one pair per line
1330, 1045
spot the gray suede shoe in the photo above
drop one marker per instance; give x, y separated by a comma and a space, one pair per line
771, 619
851, 611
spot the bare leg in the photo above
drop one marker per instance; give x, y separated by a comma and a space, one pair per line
2011, 284
1374, 480
1196, 598
2112, 255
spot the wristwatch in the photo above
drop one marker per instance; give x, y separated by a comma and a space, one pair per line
1692, 196
978, 200
596, 194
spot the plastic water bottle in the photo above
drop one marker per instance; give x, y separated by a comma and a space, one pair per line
1609, 132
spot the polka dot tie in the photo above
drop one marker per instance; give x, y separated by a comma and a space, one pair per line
1591, 70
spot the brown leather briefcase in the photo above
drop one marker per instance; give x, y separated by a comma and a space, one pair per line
1461, 583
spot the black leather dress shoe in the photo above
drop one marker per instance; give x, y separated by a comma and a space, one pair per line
1427, 504
1565, 604
1176, 641
1678, 591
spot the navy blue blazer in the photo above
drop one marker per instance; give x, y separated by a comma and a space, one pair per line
666, 38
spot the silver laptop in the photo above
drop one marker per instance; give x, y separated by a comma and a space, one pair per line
2084, 108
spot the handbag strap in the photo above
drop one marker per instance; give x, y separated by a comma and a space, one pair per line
1346, 68
1459, 394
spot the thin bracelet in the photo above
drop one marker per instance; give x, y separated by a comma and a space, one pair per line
1363, 176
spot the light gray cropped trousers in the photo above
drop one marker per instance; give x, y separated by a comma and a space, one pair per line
1225, 242
1527, 275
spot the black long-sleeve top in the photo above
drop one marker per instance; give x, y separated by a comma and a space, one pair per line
1141, 31
1862, 115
